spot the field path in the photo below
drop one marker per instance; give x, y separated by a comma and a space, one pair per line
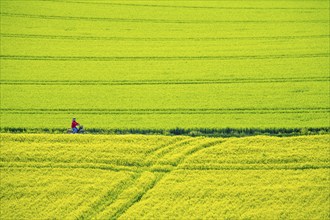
54, 175
115, 204
163, 151
153, 182
108, 198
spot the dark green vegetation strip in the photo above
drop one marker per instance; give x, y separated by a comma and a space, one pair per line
194, 132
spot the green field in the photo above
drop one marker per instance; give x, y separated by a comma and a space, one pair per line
165, 64
192, 74
49, 176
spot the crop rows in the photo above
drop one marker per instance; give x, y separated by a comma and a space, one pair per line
239, 70
162, 150
208, 124
72, 37
146, 105
268, 95
167, 21
120, 176
115, 202
90, 58
160, 82
202, 6
166, 111
195, 68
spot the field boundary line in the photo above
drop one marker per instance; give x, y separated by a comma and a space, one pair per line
188, 132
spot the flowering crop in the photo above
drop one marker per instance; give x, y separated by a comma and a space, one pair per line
142, 177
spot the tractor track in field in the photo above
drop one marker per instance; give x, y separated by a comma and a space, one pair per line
257, 166
137, 198
108, 198
146, 58
69, 165
151, 20
156, 156
116, 202
166, 149
164, 82
197, 167
162, 150
168, 111
182, 6
97, 38
158, 148
64, 164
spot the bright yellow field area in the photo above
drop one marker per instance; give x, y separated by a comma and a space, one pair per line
47, 176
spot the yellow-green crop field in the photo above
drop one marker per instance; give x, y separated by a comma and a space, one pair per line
193, 67
165, 64
56, 176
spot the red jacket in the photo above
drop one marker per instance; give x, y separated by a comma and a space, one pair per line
74, 124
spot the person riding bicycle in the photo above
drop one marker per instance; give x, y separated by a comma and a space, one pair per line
74, 125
